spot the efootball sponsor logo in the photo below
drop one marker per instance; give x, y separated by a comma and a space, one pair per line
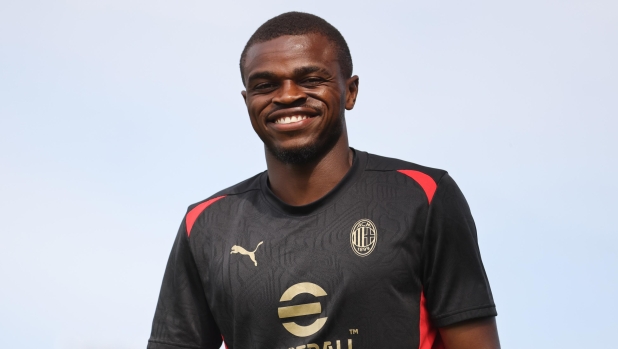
302, 309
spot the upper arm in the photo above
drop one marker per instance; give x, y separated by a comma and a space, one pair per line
457, 292
472, 334
183, 318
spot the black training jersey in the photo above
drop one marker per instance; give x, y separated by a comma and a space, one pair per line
381, 261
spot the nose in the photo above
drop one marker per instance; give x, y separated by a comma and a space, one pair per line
289, 93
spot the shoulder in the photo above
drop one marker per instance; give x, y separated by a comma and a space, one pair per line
195, 210
408, 173
382, 163
248, 185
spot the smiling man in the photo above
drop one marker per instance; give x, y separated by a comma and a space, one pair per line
331, 247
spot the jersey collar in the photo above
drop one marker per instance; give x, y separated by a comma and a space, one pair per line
359, 162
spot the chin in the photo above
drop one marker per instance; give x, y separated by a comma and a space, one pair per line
310, 151
298, 155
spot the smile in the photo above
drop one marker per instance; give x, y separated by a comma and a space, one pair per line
291, 119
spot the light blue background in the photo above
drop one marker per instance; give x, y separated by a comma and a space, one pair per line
116, 115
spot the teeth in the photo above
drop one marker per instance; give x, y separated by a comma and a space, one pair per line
290, 119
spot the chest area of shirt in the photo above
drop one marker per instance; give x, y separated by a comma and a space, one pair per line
302, 277
361, 239
346, 247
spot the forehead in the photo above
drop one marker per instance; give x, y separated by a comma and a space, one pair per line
291, 51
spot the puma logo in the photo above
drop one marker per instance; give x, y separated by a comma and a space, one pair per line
241, 250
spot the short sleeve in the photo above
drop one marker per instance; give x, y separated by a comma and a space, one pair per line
182, 318
454, 280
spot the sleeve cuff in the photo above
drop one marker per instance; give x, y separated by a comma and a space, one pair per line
469, 314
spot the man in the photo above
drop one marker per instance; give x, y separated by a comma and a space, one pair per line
331, 247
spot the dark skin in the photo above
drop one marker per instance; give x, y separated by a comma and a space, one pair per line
299, 77
472, 334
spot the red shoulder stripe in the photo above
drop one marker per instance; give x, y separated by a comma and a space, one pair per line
195, 212
426, 182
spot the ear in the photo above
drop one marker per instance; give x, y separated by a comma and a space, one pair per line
244, 95
351, 92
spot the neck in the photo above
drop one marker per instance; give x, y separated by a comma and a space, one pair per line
299, 185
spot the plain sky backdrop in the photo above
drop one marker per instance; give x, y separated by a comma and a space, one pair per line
116, 115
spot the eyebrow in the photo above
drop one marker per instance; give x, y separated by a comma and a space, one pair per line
310, 69
297, 72
262, 75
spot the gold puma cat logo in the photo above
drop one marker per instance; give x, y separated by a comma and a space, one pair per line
241, 250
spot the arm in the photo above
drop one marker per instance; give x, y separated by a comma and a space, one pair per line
459, 298
472, 334
182, 317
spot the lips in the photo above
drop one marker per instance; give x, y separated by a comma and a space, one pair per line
290, 119
290, 115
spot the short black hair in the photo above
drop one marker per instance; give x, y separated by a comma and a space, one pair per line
300, 23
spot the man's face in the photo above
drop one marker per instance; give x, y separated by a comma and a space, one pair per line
296, 96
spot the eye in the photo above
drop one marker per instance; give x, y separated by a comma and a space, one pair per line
311, 81
265, 86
